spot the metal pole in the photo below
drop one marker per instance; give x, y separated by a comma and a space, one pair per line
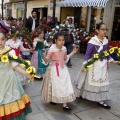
25, 12
2, 9
54, 7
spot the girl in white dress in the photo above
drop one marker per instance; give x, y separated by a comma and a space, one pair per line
16, 44
57, 86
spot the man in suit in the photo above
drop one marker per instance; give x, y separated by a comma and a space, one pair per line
32, 22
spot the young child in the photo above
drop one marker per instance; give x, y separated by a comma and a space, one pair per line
57, 86
14, 103
26, 45
37, 60
16, 44
93, 84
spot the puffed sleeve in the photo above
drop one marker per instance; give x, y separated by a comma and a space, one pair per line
89, 51
13, 63
34, 44
49, 55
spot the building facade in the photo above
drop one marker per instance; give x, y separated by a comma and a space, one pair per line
86, 17
42, 8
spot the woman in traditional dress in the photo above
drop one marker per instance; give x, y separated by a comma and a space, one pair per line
37, 60
14, 103
57, 85
16, 44
93, 84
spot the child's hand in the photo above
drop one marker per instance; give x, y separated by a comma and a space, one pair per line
83, 70
31, 50
30, 76
75, 50
115, 62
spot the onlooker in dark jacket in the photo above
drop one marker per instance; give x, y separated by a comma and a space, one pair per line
118, 30
32, 22
56, 21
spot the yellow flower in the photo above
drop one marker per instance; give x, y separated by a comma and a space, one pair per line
115, 47
119, 50
118, 54
13, 26
22, 65
111, 50
106, 53
89, 66
34, 70
89, 60
96, 55
27, 61
29, 70
4, 58
15, 57
36, 76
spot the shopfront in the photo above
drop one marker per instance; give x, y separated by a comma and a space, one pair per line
20, 9
86, 13
116, 22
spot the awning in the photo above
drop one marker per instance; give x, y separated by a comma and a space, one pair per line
82, 3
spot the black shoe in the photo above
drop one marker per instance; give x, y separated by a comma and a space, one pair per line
81, 97
104, 105
53, 103
41, 78
70, 66
66, 108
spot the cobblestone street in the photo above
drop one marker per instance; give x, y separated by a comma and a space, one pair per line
81, 109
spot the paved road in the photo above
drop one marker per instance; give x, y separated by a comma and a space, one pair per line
81, 109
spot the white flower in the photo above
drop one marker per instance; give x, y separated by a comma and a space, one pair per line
73, 45
78, 41
45, 42
62, 25
53, 29
57, 27
57, 31
68, 25
74, 38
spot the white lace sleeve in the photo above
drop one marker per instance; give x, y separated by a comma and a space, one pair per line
12, 52
34, 44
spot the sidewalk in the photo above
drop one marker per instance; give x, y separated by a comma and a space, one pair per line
81, 109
